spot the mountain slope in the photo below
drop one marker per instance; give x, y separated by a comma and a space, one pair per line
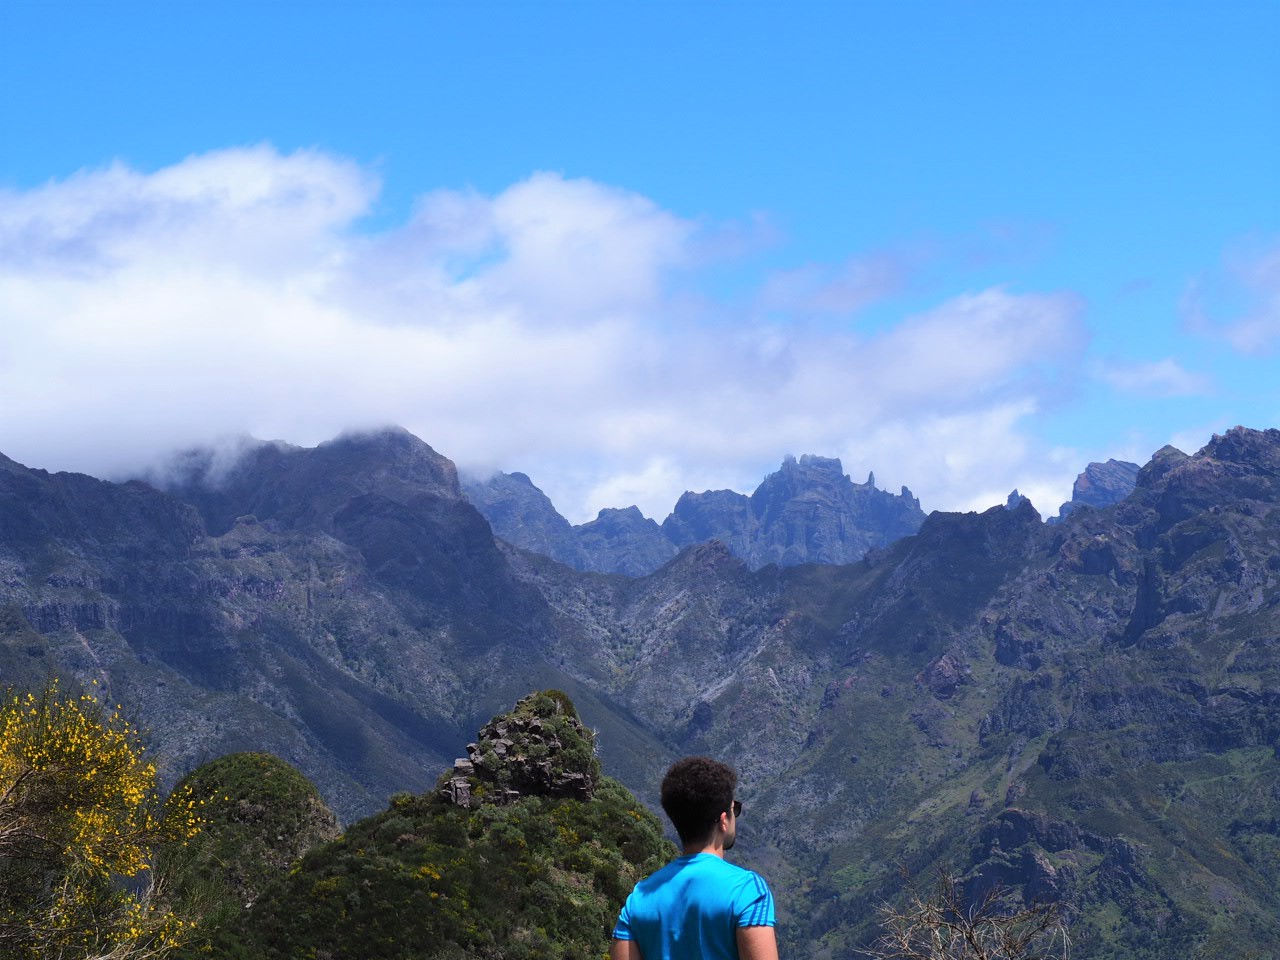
350, 612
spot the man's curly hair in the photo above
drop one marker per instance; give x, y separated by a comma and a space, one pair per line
695, 791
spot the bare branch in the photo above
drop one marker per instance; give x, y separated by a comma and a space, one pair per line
944, 925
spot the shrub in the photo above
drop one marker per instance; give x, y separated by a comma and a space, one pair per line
81, 819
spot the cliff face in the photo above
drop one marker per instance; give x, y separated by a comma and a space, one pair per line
1087, 711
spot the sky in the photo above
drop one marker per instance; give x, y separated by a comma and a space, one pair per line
637, 249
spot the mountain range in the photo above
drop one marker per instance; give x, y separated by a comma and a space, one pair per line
809, 511
1086, 711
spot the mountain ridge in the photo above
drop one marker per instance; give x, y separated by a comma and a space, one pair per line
808, 511
1088, 710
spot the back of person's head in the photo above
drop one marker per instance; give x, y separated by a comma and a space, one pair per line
695, 791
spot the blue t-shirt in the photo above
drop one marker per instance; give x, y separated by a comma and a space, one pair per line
691, 909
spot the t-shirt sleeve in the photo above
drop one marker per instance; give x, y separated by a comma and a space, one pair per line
754, 905
622, 929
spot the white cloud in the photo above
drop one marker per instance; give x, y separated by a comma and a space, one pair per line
1241, 303
1159, 378
536, 330
846, 289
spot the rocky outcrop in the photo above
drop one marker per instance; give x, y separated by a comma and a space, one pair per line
723, 515
538, 749
809, 511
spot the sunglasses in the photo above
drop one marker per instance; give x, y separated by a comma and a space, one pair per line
736, 807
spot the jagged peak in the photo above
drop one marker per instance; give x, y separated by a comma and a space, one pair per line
1161, 462
1243, 444
820, 462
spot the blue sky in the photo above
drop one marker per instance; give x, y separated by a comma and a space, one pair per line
632, 249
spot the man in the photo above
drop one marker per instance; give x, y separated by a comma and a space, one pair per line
698, 907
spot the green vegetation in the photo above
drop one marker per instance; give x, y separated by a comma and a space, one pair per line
538, 877
260, 816
80, 820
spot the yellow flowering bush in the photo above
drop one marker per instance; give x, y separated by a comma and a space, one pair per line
80, 820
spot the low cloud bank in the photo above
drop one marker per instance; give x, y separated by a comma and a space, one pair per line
557, 328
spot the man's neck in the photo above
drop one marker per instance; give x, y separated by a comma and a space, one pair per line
713, 848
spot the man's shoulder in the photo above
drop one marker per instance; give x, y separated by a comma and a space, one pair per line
703, 864
732, 869
729, 874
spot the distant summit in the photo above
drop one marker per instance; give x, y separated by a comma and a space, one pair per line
809, 511
1101, 485
523, 515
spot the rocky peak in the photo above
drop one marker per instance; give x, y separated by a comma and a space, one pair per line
540, 748
809, 511
712, 515
1243, 445
391, 458
1161, 462
713, 559
1101, 485
624, 541
523, 515
809, 477
307, 487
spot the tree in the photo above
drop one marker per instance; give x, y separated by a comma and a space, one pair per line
80, 820
945, 926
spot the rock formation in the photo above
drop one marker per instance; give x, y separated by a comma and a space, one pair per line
538, 749
624, 541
